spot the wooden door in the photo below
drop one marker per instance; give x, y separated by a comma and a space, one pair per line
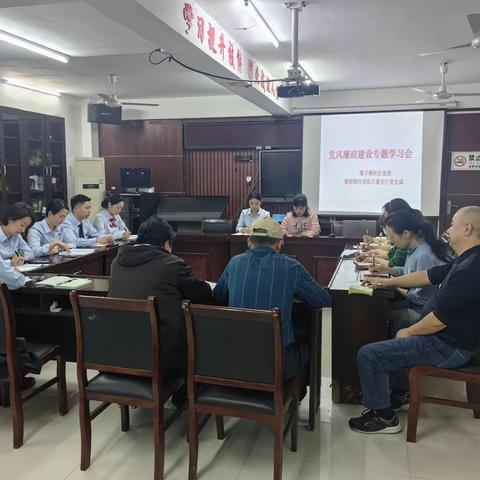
459, 188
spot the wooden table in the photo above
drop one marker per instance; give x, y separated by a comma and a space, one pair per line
356, 321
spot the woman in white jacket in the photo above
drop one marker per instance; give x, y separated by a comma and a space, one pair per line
108, 221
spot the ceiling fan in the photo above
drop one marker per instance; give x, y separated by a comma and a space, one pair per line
442, 93
112, 100
474, 20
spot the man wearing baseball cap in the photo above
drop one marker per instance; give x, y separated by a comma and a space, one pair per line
262, 278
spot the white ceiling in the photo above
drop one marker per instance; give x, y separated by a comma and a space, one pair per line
344, 45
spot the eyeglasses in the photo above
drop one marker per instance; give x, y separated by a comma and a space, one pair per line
445, 237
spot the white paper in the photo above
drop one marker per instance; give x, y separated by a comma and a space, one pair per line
77, 252
28, 267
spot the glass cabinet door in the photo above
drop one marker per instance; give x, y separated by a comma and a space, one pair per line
36, 163
11, 158
56, 157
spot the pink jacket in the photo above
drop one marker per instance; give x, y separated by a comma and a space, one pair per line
296, 225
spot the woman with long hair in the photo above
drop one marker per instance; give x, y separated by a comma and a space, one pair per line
407, 230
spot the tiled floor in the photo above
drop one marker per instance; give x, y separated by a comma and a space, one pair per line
448, 447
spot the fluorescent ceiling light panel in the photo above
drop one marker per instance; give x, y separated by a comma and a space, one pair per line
257, 16
32, 46
16, 83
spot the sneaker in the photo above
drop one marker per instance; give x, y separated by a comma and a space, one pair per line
371, 422
397, 401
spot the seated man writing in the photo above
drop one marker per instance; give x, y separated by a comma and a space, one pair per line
262, 278
446, 336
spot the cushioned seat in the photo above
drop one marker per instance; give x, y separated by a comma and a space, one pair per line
42, 350
121, 385
238, 398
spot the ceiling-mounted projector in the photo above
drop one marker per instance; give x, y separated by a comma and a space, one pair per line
298, 90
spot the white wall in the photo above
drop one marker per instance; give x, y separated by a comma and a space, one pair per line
194, 107
77, 130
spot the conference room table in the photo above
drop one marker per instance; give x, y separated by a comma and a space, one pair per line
357, 320
38, 323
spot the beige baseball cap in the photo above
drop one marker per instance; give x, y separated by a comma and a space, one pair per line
266, 227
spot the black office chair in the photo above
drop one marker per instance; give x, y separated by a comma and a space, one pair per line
44, 353
235, 369
120, 339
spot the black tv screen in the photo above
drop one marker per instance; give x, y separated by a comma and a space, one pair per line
280, 174
101, 113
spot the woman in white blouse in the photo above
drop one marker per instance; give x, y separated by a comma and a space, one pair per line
109, 221
16, 219
47, 236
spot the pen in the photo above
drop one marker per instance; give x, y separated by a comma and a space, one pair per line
76, 273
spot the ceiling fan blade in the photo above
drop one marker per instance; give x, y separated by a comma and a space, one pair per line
465, 94
104, 96
141, 104
421, 101
422, 91
474, 20
465, 45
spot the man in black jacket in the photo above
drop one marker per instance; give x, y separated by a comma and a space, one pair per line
150, 269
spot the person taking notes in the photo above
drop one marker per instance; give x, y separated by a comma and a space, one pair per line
249, 215
46, 237
78, 230
109, 221
16, 219
301, 222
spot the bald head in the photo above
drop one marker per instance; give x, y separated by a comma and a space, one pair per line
470, 215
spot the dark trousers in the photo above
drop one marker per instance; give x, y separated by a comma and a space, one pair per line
295, 362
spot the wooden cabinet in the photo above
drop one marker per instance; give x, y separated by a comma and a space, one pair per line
32, 158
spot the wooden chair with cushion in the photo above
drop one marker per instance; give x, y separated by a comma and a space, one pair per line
120, 339
44, 352
235, 369
469, 373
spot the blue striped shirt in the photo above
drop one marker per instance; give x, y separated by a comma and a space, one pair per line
264, 279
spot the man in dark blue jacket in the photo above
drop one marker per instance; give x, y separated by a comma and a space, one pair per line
262, 278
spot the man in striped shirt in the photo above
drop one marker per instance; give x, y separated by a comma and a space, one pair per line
262, 278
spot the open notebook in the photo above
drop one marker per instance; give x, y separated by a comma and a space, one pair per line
65, 282
27, 267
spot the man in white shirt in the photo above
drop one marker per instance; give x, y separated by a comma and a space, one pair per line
78, 229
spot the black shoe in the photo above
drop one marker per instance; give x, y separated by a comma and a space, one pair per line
371, 422
27, 382
397, 401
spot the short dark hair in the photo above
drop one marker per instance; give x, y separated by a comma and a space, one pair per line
300, 200
155, 231
16, 211
56, 205
255, 195
80, 198
113, 199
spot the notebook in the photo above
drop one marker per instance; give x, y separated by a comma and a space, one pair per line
65, 282
360, 289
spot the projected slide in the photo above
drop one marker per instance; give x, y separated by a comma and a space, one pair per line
366, 160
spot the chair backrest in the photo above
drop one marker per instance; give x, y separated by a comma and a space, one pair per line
7, 322
234, 347
117, 335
